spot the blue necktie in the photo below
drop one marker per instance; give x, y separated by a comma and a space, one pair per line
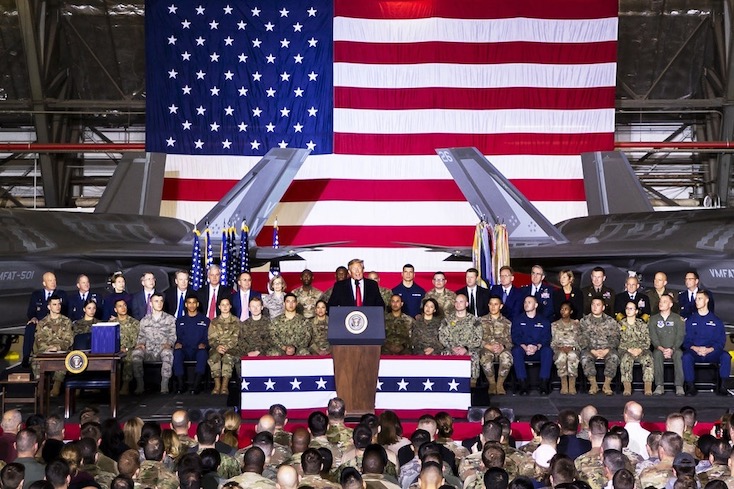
180, 305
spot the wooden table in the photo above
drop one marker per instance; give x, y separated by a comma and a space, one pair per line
98, 362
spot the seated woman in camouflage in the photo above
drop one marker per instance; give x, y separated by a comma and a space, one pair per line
82, 328
634, 346
565, 345
319, 330
425, 331
224, 332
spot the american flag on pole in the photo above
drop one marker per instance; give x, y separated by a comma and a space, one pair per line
374, 86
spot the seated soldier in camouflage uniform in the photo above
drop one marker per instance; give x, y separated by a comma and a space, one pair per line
497, 346
318, 423
254, 337
53, 334
224, 333
252, 469
634, 346
338, 433
290, 333
599, 341
461, 334
320, 330
152, 471
398, 329
588, 464
129, 331
566, 351
155, 342
88, 449
425, 330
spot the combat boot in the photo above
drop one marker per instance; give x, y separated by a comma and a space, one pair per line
56, 389
492, 385
593, 386
125, 389
690, 389
627, 389
139, 386
217, 385
660, 390
164, 384
572, 385
607, 387
564, 384
501, 385
225, 386
648, 388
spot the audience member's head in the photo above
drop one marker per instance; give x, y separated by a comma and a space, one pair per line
279, 414
351, 479
536, 422
568, 420
311, 462
154, 449
496, 477
300, 440
12, 475
493, 455
210, 460
122, 482
129, 463
254, 460
623, 479
58, 473
653, 443
671, 444
720, 451
361, 436
54, 427
206, 434
318, 423
431, 476
264, 441
562, 470
12, 421
336, 409
633, 412
374, 460
428, 422
26, 443
676, 423
180, 421
286, 478
622, 433
265, 423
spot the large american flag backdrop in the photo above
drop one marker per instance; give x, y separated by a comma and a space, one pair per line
373, 87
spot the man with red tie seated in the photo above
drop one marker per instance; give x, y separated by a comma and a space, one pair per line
356, 290
210, 295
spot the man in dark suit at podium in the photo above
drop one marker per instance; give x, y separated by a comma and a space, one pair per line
357, 290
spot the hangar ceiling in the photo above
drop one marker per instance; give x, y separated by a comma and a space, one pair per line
74, 72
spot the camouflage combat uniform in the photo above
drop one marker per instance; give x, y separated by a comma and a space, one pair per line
465, 332
590, 468
599, 334
524, 463
253, 480
154, 475
323, 442
566, 335
445, 300
224, 332
716, 471
307, 300
339, 434
153, 334
496, 331
289, 332
101, 477
386, 294
52, 333
317, 482
282, 437
254, 336
425, 335
398, 331
319, 335
83, 326
657, 475
635, 336
326, 295
129, 331
228, 467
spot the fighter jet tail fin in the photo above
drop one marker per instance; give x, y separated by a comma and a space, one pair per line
611, 184
136, 186
255, 196
496, 200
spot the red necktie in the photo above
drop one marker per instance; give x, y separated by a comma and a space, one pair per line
357, 294
213, 305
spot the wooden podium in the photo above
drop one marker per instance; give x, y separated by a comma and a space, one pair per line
356, 335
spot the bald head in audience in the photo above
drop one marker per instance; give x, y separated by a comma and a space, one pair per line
633, 412
11, 421
180, 422
431, 476
585, 415
265, 423
287, 478
301, 439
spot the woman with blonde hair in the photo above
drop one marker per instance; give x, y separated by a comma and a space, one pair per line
172, 445
274, 301
132, 429
232, 422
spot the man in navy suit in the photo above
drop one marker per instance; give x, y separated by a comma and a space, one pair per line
356, 290
141, 300
477, 295
687, 298
174, 300
79, 298
512, 297
37, 310
241, 297
210, 295
542, 292
569, 443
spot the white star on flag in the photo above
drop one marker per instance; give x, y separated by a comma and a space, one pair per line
321, 383
296, 384
269, 385
453, 385
403, 385
245, 385
379, 385
428, 385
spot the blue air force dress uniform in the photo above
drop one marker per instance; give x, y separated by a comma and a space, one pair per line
532, 331
191, 331
707, 330
544, 295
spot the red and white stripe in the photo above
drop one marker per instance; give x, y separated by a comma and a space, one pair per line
531, 84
